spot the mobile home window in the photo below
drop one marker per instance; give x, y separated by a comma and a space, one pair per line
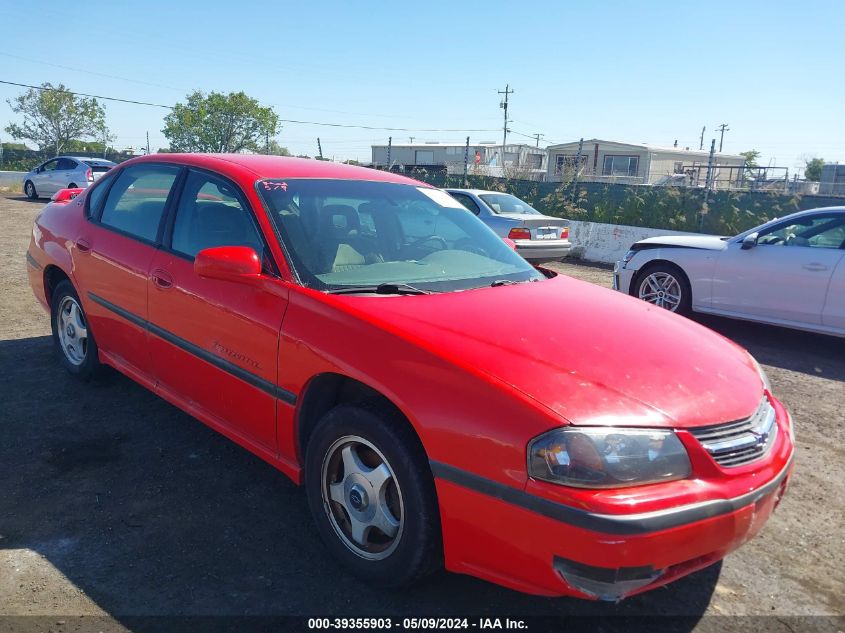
424, 157
565, 162
621, 165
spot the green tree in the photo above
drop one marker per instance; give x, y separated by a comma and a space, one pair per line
89, 146
219, 122
751, 157
813, 169
274, 149
53, 116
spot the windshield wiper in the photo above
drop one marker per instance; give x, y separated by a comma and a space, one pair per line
388, 288
510, 282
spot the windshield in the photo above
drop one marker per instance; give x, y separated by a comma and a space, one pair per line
345, 233
506, 203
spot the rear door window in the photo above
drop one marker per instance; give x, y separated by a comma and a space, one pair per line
136, 201
465, 200
66, 164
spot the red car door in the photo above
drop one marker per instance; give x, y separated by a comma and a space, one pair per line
215, 342
113, 255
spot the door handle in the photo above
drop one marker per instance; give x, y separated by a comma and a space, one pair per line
815, 267
83, 245
162, 279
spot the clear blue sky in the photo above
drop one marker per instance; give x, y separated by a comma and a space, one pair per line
644, 71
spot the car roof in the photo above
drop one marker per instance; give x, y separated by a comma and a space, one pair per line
477, 192
797, 214
818, 210
82, 159
262, 166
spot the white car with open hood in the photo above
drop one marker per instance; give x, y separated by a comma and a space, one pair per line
788, 272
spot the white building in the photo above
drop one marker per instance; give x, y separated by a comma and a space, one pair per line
635, 163
520, 160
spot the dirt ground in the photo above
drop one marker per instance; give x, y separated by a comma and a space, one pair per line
114, 503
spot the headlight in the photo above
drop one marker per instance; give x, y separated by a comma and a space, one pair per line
607, 457
763, 376
628, 256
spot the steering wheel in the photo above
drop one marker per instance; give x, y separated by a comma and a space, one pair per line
430, 238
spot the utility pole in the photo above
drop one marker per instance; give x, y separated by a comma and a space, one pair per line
575, 175
320, 148
701, 142
412, 139
709, 183
538, 137
466, 162
389, 147
722, 128
504, 105
148, 142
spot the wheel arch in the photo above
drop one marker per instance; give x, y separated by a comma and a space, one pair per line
327, 390
635, 280
53, 276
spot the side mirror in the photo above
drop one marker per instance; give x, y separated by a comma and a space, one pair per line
509, 242
229, 263
749, 241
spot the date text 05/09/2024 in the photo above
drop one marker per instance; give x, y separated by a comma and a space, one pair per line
411, 624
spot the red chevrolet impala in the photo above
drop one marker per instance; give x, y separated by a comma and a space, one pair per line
442, 401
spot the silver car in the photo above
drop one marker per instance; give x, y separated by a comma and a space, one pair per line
63, 172
539, 238
788, 272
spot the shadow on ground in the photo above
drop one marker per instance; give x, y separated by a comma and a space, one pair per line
804, 352
149, 512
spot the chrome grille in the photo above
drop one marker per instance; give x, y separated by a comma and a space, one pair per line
738, 443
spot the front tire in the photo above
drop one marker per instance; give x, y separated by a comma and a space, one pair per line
372, 495
72, 336
664, 285
29, 190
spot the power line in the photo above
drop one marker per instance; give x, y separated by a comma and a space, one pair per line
83, 94
389, 129
90, 72
295, 121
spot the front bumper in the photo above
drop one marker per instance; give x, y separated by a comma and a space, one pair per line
622, 277
525, 541
543, 250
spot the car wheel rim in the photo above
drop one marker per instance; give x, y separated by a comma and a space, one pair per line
362, 498
662, 290
29, 190
72, 330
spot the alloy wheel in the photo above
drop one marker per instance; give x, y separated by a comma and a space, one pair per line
72, 331
362, 497
661, 289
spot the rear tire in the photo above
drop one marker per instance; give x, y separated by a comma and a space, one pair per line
72, 336
72, 185
29, 190
372, 496
665, 286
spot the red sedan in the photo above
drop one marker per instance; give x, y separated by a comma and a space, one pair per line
442, 401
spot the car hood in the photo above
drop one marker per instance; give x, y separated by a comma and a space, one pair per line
590, 355
706, 242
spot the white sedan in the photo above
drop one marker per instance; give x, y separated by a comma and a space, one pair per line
788, 272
